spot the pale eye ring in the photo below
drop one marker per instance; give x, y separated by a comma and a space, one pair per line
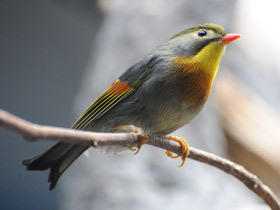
202, 33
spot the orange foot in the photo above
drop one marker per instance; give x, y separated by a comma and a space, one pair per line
135, 130
185, 149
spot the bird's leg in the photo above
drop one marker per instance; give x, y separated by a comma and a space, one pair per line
135, 130
185, 149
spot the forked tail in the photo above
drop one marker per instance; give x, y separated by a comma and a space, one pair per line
57, 159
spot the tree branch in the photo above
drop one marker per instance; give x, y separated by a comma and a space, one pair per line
34, 132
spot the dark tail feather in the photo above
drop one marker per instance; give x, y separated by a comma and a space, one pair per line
47, 159
57, 159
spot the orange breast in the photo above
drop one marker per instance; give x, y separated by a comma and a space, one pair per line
194, 82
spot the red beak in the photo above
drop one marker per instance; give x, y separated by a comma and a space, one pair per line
230, 37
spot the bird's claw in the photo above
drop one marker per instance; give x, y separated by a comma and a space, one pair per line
137, 131
185, 149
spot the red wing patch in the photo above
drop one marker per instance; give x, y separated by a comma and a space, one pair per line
114, 94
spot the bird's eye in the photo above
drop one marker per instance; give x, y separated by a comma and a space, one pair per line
202, 33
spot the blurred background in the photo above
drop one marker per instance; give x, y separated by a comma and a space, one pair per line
57, 56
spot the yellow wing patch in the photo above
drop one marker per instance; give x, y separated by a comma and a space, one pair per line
118, 91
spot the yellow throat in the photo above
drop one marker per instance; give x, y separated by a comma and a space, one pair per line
199, 71
206, 61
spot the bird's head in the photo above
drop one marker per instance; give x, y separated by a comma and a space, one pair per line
200, 47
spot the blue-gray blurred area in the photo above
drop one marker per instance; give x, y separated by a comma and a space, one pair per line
44, 48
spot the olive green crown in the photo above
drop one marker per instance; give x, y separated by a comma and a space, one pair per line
208, 26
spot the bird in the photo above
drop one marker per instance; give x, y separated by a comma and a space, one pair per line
160, 93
